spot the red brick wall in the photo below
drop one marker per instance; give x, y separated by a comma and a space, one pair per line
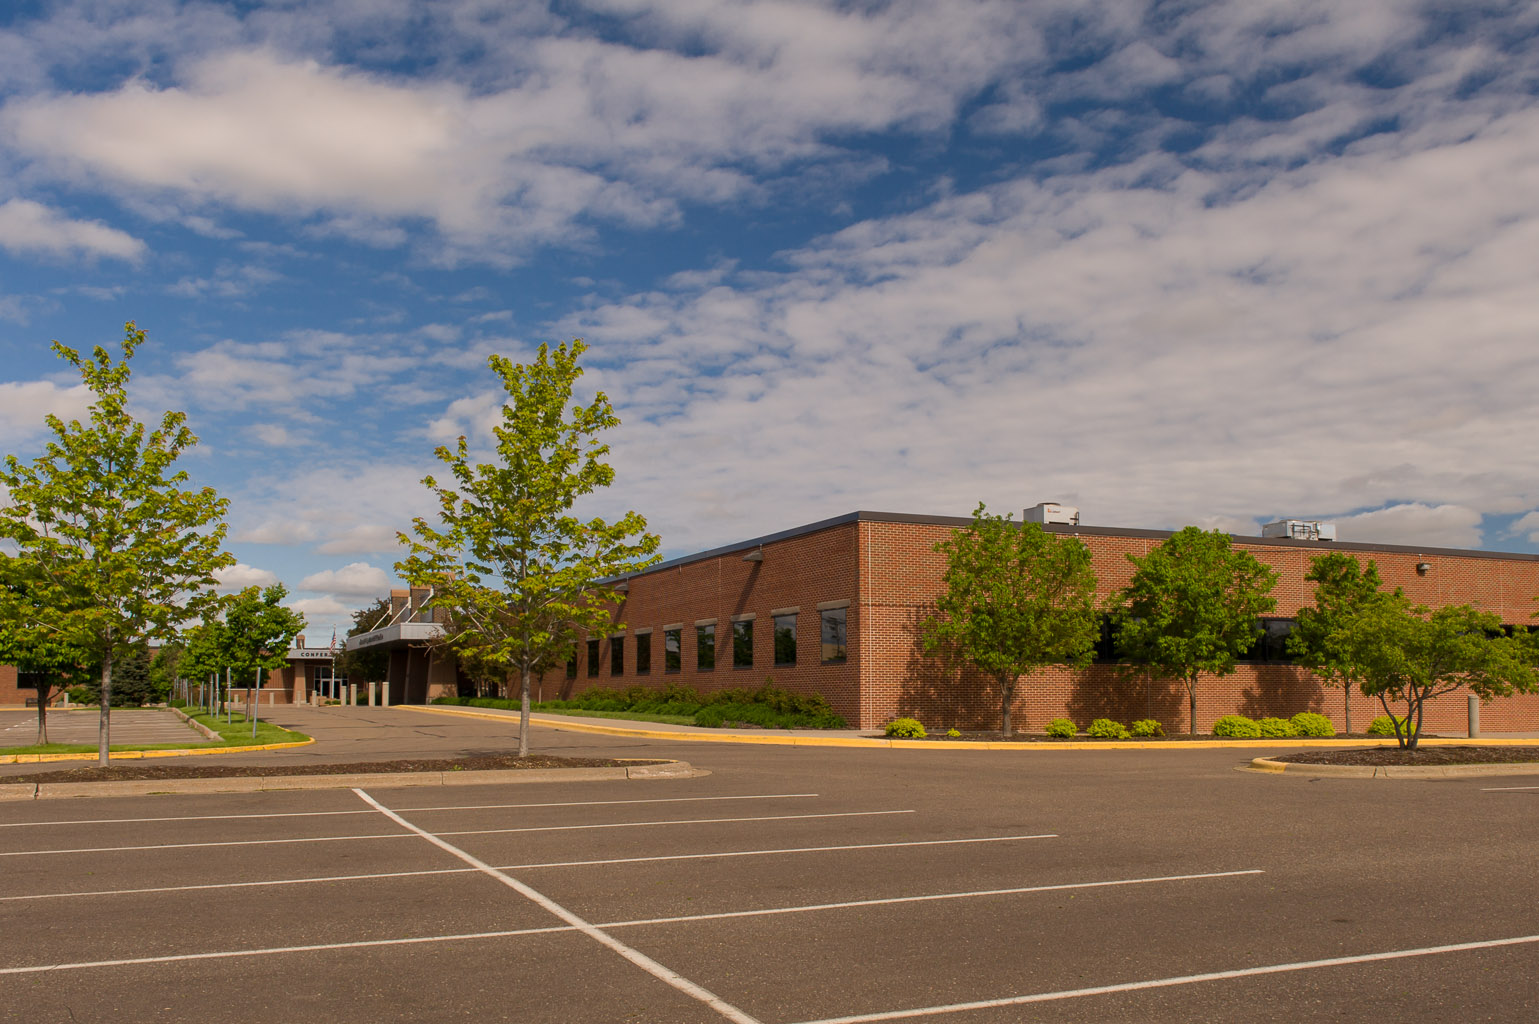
799, 572
901, 576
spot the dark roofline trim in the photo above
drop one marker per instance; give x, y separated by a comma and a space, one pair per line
1062, 528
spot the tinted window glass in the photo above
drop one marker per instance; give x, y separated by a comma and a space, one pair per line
742, 644
833, 636
643, 654
617, 655
785, 639
672, 644
705, 647
592, 657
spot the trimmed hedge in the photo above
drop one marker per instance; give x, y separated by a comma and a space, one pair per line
1275, 727
1385, 726
1061, 729
769, 706
905, 728
1307, 723
1146, 727
1237, 727
1106, 729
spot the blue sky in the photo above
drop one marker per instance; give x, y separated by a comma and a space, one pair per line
1212, 263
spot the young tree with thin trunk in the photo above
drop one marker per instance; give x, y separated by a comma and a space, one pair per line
1193, 606
519, 572
124, 552
1403, 653
1016, 598
39, 653
1343, 586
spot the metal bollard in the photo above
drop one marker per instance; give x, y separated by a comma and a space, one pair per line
1474, 717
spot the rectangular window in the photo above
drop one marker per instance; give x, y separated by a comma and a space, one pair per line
785, 639
643, 654
617, 655
27, 680
673, 659
833, 636
705, 647
1271, 642
742, 644
592, 658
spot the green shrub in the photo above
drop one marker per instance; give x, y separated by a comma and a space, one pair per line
1307, 723
710, 717
1274, 727
905, 728
1106, 729
952, 734
1385, 726
1237, 727
1061, 728
1146, 727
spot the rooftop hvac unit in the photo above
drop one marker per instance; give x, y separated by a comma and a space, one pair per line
1300, 529
1051, 512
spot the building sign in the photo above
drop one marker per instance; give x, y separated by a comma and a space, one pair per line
310, 654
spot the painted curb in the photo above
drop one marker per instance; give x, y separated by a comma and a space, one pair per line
878, 742
1354, 771
137, 755
381, 780
196, 725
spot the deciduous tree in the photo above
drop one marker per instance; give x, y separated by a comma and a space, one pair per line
39, 653
1016, 598
1192, 607
1343, 586
519, 571
1407, 653
125, 552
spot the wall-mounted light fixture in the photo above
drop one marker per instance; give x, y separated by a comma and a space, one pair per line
756, 555
1422, 567
623, 587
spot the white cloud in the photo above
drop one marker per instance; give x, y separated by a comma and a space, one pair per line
28, 228
1357, 332
240, 576
24, 404
1528, 524
319, 611
276, 435
363, 538
280, 530
1452, 526
355, 578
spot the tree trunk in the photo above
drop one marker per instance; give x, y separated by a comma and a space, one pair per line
104, 729
1191, 692
1007, 696
1346, 706
44, 690
523, 716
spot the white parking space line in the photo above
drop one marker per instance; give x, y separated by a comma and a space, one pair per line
523, 867
411, 810
274, 950
1509, 789
928, 898
672, 821
1185, 979
472, 832
686, 919
635, 956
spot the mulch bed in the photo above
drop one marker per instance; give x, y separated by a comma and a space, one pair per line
1021, 737
1390, 757
152, 771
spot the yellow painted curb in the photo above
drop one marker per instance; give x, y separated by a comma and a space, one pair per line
135, 755
770, 739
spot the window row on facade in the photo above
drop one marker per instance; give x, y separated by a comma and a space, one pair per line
734, 645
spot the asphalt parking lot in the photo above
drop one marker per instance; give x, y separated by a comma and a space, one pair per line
790, 885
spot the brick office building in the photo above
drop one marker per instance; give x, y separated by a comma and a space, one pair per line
834, 607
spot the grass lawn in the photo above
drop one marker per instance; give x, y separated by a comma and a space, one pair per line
232, 734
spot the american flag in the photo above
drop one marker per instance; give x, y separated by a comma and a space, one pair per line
333, 639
